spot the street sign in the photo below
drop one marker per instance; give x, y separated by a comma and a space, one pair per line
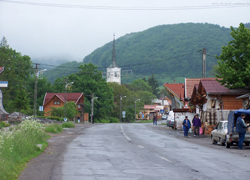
40, 108
123, 114
142, 116
3, 83
162, 111
140, 112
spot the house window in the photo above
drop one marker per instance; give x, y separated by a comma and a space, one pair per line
78, 106
56, 102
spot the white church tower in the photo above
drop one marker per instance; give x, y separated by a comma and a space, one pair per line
113, 71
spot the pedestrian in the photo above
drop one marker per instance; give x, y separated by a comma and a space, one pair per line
241, 129
156, 119
186, 125
197, 125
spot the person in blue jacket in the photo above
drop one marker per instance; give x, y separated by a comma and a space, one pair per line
186, 125
241, 129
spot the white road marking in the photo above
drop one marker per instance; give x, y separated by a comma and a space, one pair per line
125, 133
165, 159
140, 146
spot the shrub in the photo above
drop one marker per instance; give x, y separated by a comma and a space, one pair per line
113, 120
54, 128
68, 125
4, 124
103, 121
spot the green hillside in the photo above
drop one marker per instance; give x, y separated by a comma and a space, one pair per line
171, 52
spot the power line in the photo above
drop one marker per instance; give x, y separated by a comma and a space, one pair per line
131, 65
213, 6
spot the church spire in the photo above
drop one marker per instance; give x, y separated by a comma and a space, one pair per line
113, 64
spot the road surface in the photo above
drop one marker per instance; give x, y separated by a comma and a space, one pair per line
146, 152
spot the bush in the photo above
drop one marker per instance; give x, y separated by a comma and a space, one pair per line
114, 120
54, 128
68, 125
4, 124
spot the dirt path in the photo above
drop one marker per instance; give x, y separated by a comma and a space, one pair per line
43, 166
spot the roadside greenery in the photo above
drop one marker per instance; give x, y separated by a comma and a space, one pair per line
234, 61
53, 128
18, 146
68, 125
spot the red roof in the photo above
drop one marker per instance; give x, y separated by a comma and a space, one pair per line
189, 85
212, 86
70, 97
150, 106
176, 89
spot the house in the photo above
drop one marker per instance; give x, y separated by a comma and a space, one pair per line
245, 100
176, 92
58, 100
215, 100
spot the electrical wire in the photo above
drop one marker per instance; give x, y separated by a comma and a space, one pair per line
213, 6
131, 65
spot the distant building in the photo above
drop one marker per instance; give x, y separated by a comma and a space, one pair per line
113, 71
58, 100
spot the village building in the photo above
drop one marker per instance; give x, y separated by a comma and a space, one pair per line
113, 71
176, 92
215, 100
58, 100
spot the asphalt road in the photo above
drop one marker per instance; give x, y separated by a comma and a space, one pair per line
134, 152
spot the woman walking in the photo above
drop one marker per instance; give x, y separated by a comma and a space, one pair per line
186, 125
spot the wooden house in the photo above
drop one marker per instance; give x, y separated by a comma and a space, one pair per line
58, 100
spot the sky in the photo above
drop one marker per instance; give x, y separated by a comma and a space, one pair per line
72, 29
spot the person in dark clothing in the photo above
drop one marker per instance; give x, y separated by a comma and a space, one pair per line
197, 125
153, 120
241, 129
186, 125
156, 119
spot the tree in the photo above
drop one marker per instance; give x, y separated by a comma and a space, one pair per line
139, 84
154, 84
234, 61
21, 100
87, 80
17, 72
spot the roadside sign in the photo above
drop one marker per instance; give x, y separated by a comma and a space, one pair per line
40, 108
140, 112
162, 111
3, 83
123, 114
142, 116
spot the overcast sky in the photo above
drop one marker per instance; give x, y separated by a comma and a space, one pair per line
75, 28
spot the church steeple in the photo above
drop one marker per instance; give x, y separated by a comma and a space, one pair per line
113, 64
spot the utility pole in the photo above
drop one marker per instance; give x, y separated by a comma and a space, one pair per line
135, 107
92, 107
121, 107
65, 97
35, 91
204, 63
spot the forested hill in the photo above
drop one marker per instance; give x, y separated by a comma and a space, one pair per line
171, 52
162, 50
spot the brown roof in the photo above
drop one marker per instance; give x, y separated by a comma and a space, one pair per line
70, 97
189, 85
212, 86
176, 89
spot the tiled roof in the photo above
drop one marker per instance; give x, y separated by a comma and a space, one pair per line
176, 89
212, 86
70, 97
149, 106
189, 85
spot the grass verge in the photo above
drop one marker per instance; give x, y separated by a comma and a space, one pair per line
68, 125
53, 128
18, 146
